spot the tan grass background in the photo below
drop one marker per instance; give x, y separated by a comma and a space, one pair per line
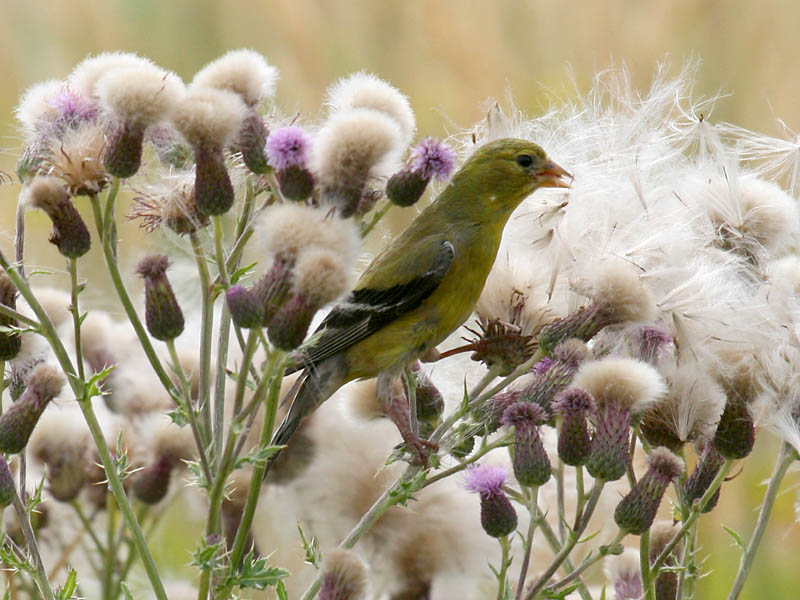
450, 56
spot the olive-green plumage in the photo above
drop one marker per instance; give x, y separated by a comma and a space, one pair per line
427, 282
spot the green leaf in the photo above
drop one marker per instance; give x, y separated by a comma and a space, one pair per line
311, 547
178, 416
241, 272
93, 384
209, 555
405, 489
259, 457
256, 574
70, 585
280, 591
738, 540
559, 594
126, 591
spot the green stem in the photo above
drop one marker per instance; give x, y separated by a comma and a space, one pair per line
517, 373
502, 576
110, 556
365, 229
786, 456
187, 407
412, 401
438, 434
222, 341
75, 289
10, 312
474, 457
39, 574
528, 541
588, 562
87, 525
206, 325
648, 578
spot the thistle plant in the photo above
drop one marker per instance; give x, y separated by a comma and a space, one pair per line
631, 346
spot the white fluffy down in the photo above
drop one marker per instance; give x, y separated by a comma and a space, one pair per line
209, 117
244, 72
142, 95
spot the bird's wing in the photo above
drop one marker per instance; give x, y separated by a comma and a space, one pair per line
368, 308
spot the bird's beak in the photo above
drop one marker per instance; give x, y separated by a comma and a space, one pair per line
552, 176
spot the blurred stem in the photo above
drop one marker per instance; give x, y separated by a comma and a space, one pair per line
438, 434
588, 562
109, 233
10, 312
206, 324
365, 229
222, 341
122, 293
186, 405
241, 380
533, 496
518, 372
502, 576
786, 456
19, 236
110, 556
476, 456
75, 289
87, 525
562, 513
39, 574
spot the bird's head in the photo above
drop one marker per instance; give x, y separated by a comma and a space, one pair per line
511, 169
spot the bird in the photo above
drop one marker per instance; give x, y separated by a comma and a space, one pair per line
420, 288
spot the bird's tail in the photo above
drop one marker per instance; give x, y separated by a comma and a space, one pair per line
314, 386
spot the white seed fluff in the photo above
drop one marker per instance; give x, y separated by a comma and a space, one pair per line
209, 117
243, 72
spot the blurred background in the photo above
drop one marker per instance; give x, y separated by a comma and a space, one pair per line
450, 57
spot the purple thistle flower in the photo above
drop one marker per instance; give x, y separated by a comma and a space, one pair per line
485, 479
541, 367
433, 158
288, 147
73, 107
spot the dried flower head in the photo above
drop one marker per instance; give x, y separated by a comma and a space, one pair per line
344, 576
498, 517
364, 90
17, 423
134, 99
352, 147
163, 315
637, 510
500, 346
243, 72
169, 202
77, 158
69, 233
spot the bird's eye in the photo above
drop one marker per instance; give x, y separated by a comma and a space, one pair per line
525, 160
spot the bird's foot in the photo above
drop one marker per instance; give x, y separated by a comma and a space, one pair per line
420, 449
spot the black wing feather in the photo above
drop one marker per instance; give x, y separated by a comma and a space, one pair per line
367, 310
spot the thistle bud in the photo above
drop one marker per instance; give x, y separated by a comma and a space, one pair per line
10, 343
272, 290
69, 233
250, 141
617, 297
344, 576
463, 441
735, 434
706, 469
208, 119
319, 277
430, 158
287, 152
7, 489
151, 484
638, 508
245, 308
530, 461
621, 387
17, 423
572, 406
163, 315
650, 343
430, 402
552, 375
491, 412
498, 517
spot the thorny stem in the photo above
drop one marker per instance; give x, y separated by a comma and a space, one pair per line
786, 456
206, 324
528, 541
40, 575
186, 404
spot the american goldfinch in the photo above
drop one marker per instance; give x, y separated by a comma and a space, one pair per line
424, 285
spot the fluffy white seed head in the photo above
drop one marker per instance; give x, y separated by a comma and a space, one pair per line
365, 90
344, 575
354, 145
512, 297
140, 95
616, 286
623, 574
625, 382
209, 117
321, 276
34, 105
88, 72
46, 381
244, 72
286, 229
45, 193
169, 440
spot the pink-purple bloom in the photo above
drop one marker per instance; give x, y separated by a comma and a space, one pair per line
485, 479
73, 107
288, 147
433, 158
